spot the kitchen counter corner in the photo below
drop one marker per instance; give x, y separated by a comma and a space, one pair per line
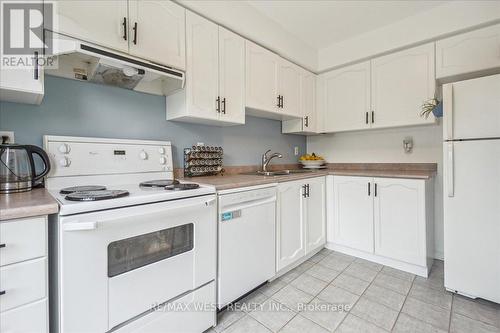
26, 204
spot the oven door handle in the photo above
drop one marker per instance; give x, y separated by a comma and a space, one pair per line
92, 225
79, 226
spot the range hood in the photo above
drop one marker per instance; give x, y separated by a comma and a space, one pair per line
79, 60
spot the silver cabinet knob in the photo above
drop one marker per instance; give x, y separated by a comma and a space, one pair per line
64, 162
64, 148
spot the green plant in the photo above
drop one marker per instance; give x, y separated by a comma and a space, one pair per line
428, 106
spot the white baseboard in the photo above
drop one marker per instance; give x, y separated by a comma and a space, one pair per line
411, 268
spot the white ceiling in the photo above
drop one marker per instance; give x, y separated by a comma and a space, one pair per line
320, 23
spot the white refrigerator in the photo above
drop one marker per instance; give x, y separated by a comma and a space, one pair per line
471, 127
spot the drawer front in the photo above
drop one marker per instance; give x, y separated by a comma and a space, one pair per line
30, 318
23, 239
23, 283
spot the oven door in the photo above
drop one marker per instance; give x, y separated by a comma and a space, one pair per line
116, 265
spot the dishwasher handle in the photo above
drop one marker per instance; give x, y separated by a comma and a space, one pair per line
248, 204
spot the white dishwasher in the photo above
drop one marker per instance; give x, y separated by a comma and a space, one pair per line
246, 251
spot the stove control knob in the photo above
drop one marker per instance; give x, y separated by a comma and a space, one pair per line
143, 155
163, 160
64, 148
161, 150
64, 162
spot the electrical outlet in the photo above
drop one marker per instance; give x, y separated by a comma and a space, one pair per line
7, 136
296, 151
200, 143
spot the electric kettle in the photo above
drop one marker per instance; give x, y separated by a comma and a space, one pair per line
17, 167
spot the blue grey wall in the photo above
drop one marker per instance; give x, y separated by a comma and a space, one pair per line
85, 109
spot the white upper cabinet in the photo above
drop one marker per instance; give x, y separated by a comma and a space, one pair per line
289, 88
261, 78
103, 23
215, 76
231, 76
202, 75
308, 123
148, 29
315, 214
22, 84
399, 218
157, 32
353, 212
347, 98
290, 223
401, 83
464, 55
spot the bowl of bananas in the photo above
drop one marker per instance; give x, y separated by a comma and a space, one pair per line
312, 161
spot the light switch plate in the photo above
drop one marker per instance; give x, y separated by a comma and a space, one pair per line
9, 135
296, 151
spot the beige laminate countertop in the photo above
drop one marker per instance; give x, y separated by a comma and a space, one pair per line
230, 181
25, 204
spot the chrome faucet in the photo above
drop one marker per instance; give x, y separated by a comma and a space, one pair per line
266, 159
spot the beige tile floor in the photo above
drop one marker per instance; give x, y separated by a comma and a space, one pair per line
346, 294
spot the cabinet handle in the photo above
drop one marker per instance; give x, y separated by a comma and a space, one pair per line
2, 245
279, 101
366, 117
124, 28
224, 105
373, 117
369, 189
36, 74
304, 193
306, 121
217, 108
375, 190
2, 292
308, 189
282, 101
135, 33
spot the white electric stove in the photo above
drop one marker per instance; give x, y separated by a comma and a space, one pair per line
130, 245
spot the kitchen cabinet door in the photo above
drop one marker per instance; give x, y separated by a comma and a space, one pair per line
315, 214
399, 219
100, 22
261, 78
22, 84
353, 212
347, 98
308, 123
290, 223
289, 88
472, 52
157, 32
401, 82
231, 76
202, 72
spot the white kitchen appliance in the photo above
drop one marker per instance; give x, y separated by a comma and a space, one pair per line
247, 220
83, 61
472, 187
127, 257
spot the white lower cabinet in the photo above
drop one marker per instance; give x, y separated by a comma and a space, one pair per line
399, 219
386, 220
23, 275
300, 219
29, 318
353, 212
